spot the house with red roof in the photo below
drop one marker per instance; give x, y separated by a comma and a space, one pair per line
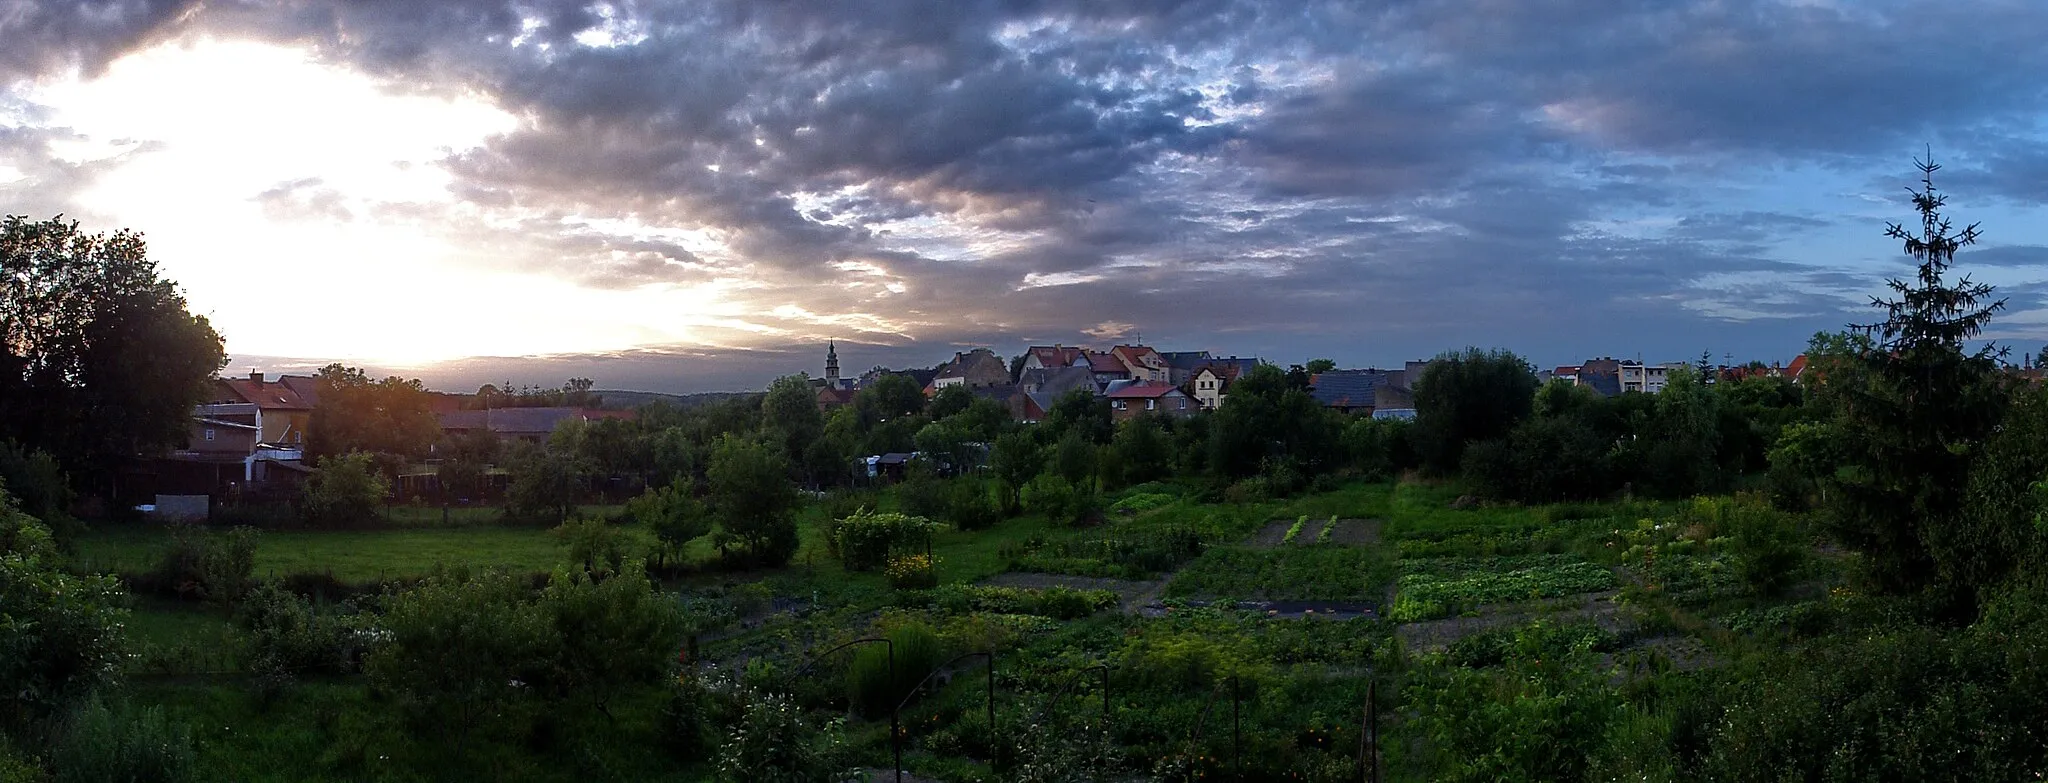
1106, 368
1129, 401
281, 414
1054, 357
1144, 364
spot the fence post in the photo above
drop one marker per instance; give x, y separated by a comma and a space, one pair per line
1236, 727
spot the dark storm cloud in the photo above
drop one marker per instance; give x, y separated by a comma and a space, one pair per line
44, 36
1413, 175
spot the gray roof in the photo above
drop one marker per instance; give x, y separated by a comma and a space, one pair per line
1349, 388
1059, 380
1608, 384
1185, 360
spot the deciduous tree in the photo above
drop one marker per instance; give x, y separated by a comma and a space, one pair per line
100, 358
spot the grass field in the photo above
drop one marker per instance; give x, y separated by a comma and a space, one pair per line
350, 555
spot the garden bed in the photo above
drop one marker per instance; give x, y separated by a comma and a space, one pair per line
1427, 636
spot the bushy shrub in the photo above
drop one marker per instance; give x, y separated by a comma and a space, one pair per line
1059, 500
775, 742
216, 566
288, 638
971, 507
872, 687
344, 490
1140, 502
60, 634
101, 743
865, 539
593, 544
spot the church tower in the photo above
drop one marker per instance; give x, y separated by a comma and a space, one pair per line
831, 365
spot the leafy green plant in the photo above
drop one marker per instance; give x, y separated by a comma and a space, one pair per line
775, 742
1425, 596
1294, 530
101, 743
872, 687
1323, 535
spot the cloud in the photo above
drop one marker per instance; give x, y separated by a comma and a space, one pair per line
1297, 176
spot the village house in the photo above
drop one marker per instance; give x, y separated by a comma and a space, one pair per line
1143, 364
282, 414
978, 368
1209, 384
1129, 401
1182, 365
1053, 357
1106, 368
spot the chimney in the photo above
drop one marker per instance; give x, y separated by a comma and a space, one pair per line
255, 376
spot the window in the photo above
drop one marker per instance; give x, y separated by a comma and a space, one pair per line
1150, 403
209, 433
1183, 403
1119, 404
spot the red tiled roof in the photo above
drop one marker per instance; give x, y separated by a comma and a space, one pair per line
1135, 355
268, 395
1143, 391
1056, 355
1566, 369
1102, 362
1797, 366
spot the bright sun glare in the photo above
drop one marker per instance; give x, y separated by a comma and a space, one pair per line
194, 131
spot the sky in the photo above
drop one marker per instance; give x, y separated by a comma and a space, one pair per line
695, 196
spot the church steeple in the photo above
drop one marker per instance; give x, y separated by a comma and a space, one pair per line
831, 364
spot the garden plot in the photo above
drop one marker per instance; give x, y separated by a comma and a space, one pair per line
1131, 594
1293, 573
1601, 609
1311, 531
1447, 587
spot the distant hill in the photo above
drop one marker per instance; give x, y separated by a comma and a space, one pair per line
614, 398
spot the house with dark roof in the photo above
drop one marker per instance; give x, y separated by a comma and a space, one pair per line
1602, 375
1349, 391
974, 369
1057, 382
831, 398
1181, 365
1132, 399
282, 415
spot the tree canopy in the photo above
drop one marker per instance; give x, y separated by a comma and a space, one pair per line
100, 358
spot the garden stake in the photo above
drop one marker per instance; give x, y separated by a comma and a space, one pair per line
1236, 729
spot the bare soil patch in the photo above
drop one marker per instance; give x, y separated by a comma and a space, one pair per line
1356, 532
1271, 535
1436, 635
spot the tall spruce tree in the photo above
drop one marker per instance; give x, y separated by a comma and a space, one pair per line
1917, 414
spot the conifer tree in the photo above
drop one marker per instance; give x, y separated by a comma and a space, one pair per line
1921, 407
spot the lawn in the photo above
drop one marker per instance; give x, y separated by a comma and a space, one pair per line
351, 555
